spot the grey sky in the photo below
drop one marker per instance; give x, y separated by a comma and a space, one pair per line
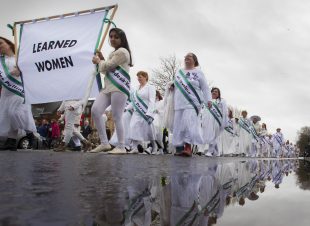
255, 51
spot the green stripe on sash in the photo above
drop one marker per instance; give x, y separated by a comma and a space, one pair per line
114, 82
190, 86
215, 117
186, 96
134, 96
12, 80
8, 74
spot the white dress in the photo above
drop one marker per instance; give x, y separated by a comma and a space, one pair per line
245, 138
277, 141
14, 114
211, 129
227, 139
187, 124
158, 120
264, 142
140, 130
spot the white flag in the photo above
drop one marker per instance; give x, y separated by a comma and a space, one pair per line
55, 57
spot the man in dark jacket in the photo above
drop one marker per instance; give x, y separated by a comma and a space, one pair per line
86, 129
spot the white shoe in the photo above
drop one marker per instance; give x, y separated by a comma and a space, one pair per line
118, 151
101, 148
134, 151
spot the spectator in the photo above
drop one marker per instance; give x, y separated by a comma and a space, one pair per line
44, 131
86, 129
55, 133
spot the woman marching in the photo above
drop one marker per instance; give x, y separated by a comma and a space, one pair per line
141, 124
214, 122
227, 139
191, 92
116, 90
14, 114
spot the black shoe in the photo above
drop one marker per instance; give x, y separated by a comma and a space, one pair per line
140, 148
10, 144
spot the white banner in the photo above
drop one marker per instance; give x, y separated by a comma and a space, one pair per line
55, 57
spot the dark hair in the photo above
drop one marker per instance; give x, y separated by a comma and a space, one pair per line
11, 44
124, 42
219, 91
264, 124
195, 59
158, 95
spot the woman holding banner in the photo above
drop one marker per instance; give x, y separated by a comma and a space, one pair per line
14, 114
116, 90
191, 91
141, 124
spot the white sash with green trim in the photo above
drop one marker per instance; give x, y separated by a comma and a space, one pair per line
120, 79
8, 81
244, 125
230, 128
186, 88
216, 113
254, 133
278, 139
140, 106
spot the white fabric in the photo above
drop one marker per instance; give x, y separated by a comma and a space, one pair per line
72, 118
168, 115
198, 80
277, 146
80, 69
187, 128
158, 121
210, 127
187, 125
117, 100
119, 57
14, 114
227, 141
140, 130
126, 122
245, 139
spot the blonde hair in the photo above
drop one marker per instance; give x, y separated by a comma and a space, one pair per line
143, 74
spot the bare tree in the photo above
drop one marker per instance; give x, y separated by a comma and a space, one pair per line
165, 72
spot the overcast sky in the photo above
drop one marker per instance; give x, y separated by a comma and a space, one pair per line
256, 51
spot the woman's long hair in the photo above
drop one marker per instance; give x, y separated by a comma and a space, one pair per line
124, 43
11, 44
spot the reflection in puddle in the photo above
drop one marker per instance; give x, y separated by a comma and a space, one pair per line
114, 191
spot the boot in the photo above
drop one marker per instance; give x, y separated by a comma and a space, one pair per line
187, 150
179, 150
61, 148
86, 145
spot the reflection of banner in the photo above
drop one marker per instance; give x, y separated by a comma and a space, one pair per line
55, 57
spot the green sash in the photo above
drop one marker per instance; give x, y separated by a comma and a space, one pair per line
120, 79
186, 88
254, 133
8, 81
217, 114
140, 106
244, 125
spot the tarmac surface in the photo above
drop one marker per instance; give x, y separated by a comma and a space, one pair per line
74, 188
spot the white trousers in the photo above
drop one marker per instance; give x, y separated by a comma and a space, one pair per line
117, 100
70, 129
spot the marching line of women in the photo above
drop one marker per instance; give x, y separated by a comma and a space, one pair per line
190, 118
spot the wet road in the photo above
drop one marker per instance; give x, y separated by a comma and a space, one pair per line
46, 188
